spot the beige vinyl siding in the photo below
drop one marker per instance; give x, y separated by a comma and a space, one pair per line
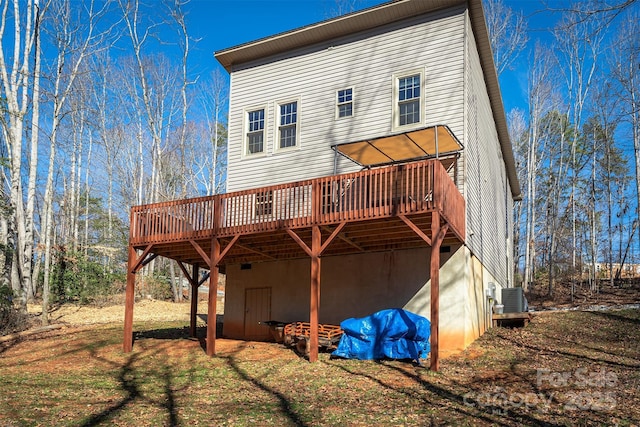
367, 62
359, 285
488, 207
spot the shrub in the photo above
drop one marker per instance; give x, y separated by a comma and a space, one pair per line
155, 287
79, 279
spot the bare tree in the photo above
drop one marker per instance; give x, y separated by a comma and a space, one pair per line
610, 167
19, 83
111, 136
605, 11
153, 85
75, 36
213, 102
518, 133
178, 19
342, 7
129, 123
539, 99
626, 72
507, 33
579, 44
162, 111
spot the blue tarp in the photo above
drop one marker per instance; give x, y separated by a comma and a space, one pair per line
392, 333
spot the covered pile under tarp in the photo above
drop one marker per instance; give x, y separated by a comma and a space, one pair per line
393, 333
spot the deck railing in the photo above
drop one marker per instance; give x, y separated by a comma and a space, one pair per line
384, 192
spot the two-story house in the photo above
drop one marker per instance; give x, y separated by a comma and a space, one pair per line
369, 167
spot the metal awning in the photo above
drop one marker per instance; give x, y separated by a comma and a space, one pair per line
433, 141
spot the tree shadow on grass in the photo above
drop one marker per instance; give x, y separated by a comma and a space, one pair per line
284, 403
180, 333
232, 362
438, 392
534, 348
126, 378
460, 401
523, 418
132, 378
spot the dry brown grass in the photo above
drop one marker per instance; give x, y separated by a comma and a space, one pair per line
568, 368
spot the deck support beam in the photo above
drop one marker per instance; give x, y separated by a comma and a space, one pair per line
437, 236
193, 281
435, 241
213, 297
134, 263
314, 252
316, 249
415, 229
194, 300
214, 259
127, 343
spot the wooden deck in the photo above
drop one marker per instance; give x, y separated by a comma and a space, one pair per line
522, 318
389, 208
373, 205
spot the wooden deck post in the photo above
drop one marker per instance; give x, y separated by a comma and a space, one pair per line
316, 248
437, 236
435, 289
194, 299
212, 305
213, 298
127, 343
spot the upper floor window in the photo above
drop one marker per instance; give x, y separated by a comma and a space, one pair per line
288, 125
255, 132
408, 99
344, 103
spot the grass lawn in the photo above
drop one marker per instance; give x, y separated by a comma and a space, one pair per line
570, 368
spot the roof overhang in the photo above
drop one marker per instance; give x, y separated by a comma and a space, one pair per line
483, 43
329, 29
433, 141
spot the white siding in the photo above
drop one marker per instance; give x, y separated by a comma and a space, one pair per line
366, 62
489, 202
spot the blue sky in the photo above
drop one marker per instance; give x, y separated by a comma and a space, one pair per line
224, 23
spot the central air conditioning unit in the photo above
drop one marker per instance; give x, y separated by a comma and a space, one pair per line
514, 300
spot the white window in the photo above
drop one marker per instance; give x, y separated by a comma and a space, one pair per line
264, 203
254, 125
288, 129
408, 100
344, 103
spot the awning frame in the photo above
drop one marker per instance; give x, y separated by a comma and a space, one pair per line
373, 145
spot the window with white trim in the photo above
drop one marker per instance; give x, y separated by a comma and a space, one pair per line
254, 141
344, 103
264, 203
288, 125
408, 103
